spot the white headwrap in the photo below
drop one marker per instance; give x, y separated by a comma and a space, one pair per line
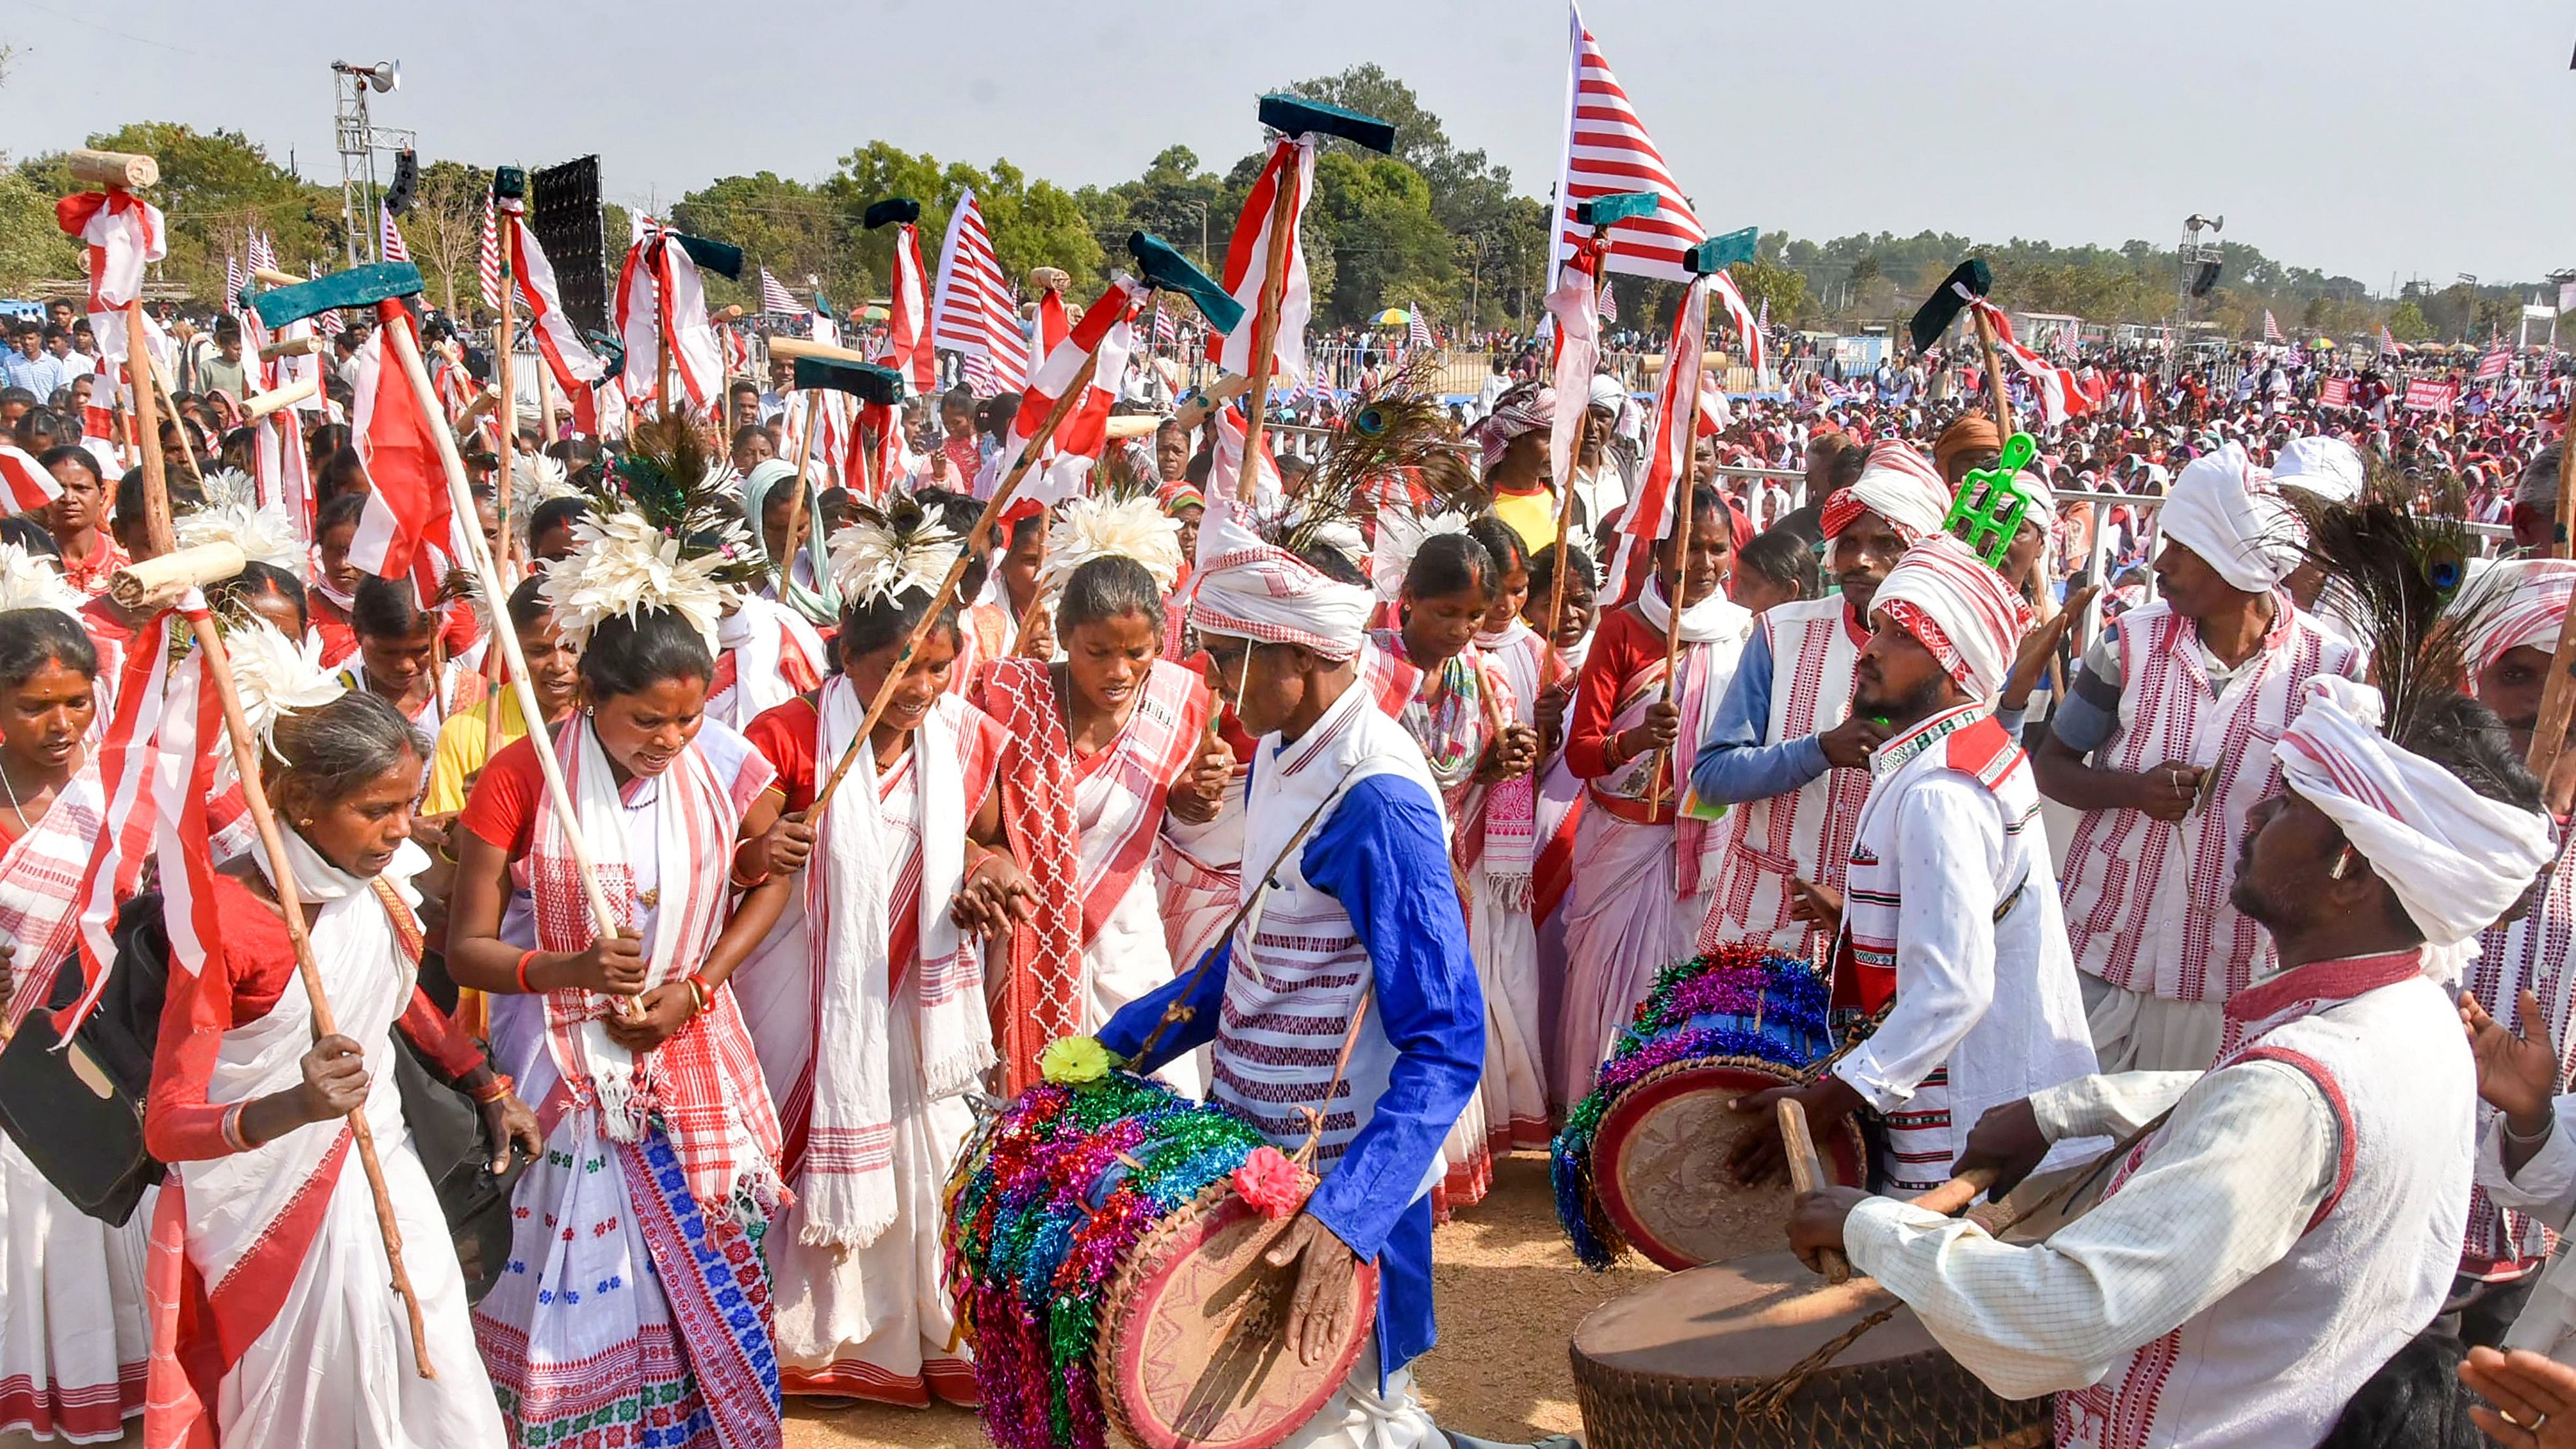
1255, 590
1899, 485
2327, 467
2516, 603
2220, 510
2456, 859
1961, 610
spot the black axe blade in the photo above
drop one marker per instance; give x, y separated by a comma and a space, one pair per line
862, 380
892, 211
1971, 277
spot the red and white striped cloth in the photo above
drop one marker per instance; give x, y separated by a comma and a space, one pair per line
775, 298
1607, 151
263, 253
389, 238
977, 369
2060, 395
124, 233
908, 315
2494, 364
1577, 352
487, 257
232, 283
183, 790
1609, 305
972, 311
1104, 332
662, 309
1247, 261
2387, 343
30, 487
125, 760
1650, 516
1757, 350
2271, 329
407, 522
575, 369
330, 321
1417, 329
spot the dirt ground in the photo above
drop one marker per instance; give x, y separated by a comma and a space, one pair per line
1508, 1294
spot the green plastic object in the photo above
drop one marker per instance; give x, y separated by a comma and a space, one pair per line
1988, 512
1166, 268
1615, 207
862, 380
358, 287
1297, 116
1720, 252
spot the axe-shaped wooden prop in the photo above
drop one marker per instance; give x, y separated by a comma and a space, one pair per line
380, 287
820, 369
1291, 116
1970, 281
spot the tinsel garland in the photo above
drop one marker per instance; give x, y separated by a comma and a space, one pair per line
1768, 1005
1036, 1234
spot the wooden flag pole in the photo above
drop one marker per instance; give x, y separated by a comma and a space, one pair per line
1682, 523
1265, 331
147, 429
983, 529
496, 663
2558, 696
1995, 377
796, 496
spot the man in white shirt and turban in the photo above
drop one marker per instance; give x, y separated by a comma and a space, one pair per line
2165, 742
1949, 923
2284, 1223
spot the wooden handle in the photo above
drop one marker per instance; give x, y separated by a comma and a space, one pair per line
729, 314
794, 347
484, 402
126, 169
276, 278
1952, 1197
290, 347
189, 567
260, 404
1806, 1174
1265, 337
1133, 425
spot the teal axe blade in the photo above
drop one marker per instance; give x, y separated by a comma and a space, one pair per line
722, 258
1720, 252
356, 288
1297, 116
1617, 206
509, 183
1164, 267
862, 380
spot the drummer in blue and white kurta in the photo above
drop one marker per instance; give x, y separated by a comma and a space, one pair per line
1361, 915
1950, 923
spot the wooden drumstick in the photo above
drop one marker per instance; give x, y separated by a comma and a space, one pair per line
1806, 1174
1953, 1197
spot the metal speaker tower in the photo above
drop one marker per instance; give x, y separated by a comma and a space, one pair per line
359, 140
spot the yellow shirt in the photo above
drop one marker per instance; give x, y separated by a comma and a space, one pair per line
1531, 515
461, 751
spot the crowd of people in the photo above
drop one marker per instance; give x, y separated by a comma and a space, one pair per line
2144, 818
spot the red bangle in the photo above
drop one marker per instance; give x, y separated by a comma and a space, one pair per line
699, 988
493, 1090
524, 988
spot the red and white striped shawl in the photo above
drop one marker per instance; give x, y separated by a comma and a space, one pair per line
2146, 902
704, 1084
40, 879
1041, 994
2531, 953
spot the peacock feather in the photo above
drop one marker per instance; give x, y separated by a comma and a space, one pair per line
2404, 576
1386, 439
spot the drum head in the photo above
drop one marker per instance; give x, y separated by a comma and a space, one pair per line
1659, 1164
1192, 1348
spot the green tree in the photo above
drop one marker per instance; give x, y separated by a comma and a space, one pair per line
445, 230
1785, 288
215, 187
789, 227
32, 248
1374, 215
2406, 322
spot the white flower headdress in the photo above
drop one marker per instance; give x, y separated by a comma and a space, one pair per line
33, 581
1400, 535
884, 553
658, 537
1093, 527
535, 479
277, 676
232, 514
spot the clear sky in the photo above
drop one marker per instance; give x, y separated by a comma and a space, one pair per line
2364, 137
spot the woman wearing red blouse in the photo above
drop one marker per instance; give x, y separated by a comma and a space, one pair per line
1640, 880
286, 1330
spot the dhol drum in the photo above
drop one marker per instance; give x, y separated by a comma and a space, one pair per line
1672, 1364
1642, 1161
1105, 1248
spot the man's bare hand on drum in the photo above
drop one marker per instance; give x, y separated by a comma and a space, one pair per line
1759, 1155
2007, 1139
1319, 1307
1816, 1222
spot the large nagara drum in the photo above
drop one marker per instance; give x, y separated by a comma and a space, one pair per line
1105, 1247
1671, 1365
1641, 1162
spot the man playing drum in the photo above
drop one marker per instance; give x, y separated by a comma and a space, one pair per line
2288, 1219
1360, 925
1949, 928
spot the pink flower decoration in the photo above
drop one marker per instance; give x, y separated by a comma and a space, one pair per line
1275, 1186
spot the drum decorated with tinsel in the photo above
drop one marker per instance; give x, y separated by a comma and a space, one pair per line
1641, 1162
1105, 1244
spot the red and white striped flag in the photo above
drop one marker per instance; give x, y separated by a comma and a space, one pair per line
487, 259
407, 518
908, 315
263, 252
29, 486
532, 276
1649, 520
775, 298
1103, 332
123, 234
972, 311
232, 283
1757, 347
1167, 332
2060, 395
1607, 151
329, 321
183, 790
977, 369
389, 241
1417, 329
1247, 261
2494, 364
662, 311
1609, 304
2271, 329
1225, 464
2387, 343
125, 761
1577, 354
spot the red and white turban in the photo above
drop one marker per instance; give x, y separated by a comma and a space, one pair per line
1961, 610
2516, 603
1899, 485
2222, 508
1252, 589
2456, 859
